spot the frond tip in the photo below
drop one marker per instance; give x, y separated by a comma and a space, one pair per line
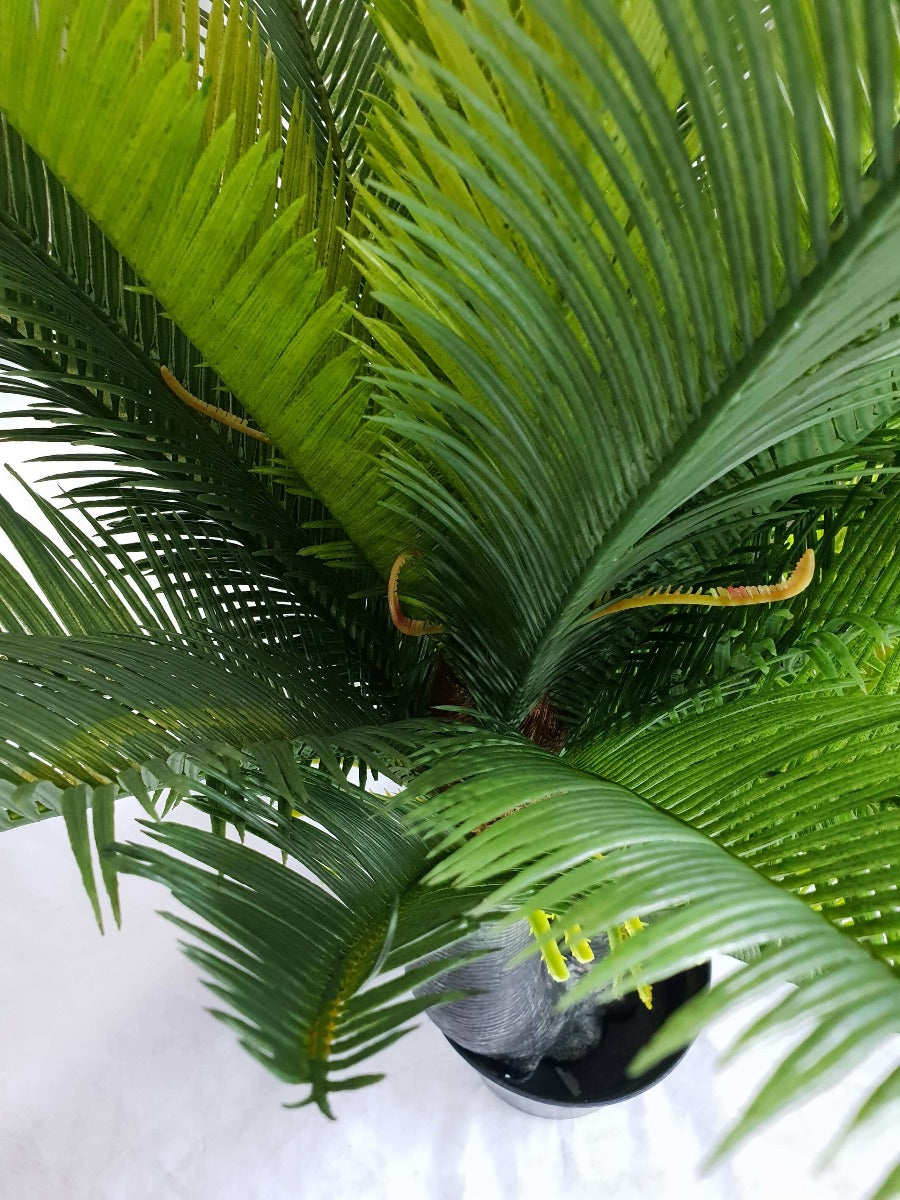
407, 625
723, 597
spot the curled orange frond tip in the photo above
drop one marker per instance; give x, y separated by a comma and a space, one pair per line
406, 625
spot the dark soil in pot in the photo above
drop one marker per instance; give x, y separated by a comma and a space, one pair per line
569, 1089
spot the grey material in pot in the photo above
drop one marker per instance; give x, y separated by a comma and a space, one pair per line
514, 1015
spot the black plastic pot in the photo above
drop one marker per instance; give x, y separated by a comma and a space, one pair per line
561, 1090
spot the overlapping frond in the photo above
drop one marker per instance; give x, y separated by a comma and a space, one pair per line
119, 655
739, 837
641, 314
329, 53
623, 289
222, 213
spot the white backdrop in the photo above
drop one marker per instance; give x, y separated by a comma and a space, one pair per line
116, 1085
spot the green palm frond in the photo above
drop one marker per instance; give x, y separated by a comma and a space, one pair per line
612, 315
69, 297
109, 661
120, 653
221, 212
312, 978
750, 837
82, 341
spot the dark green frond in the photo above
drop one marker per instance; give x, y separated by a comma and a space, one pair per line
126, 653
106, 664
312, 979
330, 54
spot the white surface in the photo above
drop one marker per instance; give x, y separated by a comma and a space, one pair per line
116, 1085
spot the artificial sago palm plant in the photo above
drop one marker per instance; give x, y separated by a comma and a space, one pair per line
501, 395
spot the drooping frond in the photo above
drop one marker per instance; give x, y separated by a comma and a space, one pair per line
220, 211
611, 312
757, 839
120, 655
309, 976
